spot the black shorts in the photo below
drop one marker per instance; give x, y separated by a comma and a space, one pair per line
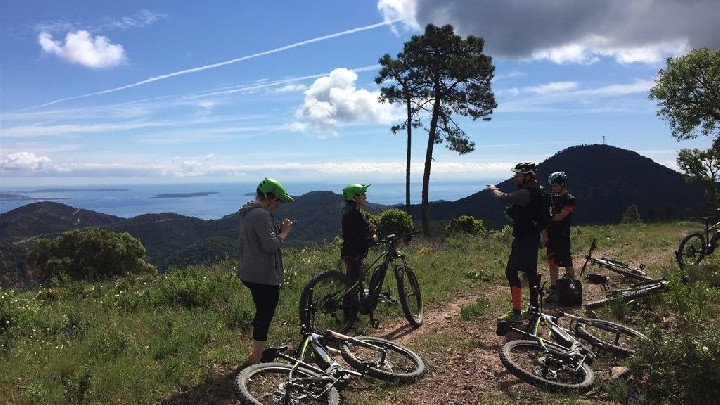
558, 252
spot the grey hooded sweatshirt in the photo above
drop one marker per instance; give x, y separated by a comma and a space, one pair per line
260, 243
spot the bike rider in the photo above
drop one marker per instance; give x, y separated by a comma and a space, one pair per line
357, 232
558, 231
529, 219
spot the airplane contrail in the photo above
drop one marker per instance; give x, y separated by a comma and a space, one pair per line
219, 64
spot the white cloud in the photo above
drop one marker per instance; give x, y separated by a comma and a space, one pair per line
553, 87
24, 161
81, 48
402, 10
333, 100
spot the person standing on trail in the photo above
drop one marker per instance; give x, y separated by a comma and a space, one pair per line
260, 267
530, 216
558, 232
358, 234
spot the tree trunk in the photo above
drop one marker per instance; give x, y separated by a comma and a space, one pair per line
408, 153
428, 165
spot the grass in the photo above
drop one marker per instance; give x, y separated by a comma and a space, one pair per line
144, 339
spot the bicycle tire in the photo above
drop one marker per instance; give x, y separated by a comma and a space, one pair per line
410, 295
328, 302
397, 364
629, 294
264, 383
536, 365
692, 249
610, 336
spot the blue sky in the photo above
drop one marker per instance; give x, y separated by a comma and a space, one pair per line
232, 91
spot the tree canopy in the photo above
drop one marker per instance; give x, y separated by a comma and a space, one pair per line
439, 75
688, 94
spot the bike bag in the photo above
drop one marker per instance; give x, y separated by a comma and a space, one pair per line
569, 292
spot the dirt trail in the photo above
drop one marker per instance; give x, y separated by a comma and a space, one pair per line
461, 359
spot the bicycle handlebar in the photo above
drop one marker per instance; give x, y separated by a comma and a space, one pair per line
393, 237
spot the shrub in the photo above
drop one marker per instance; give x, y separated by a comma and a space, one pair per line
465, 224
394, 221
93, 255
631, 215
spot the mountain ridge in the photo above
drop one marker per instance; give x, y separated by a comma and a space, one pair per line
605, 181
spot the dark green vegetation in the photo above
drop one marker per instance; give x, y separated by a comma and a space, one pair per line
605, 180
181, 336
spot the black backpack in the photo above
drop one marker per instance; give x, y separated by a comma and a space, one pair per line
541, 213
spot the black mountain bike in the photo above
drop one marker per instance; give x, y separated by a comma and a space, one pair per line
696, 245
310, 375
331, 301
562, 363
643, 285
621, 268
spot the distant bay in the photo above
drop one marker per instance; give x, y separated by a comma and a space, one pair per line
209, 200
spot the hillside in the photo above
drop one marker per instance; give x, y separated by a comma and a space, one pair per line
605, 180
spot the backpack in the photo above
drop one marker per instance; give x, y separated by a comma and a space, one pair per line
541, 214
569, 292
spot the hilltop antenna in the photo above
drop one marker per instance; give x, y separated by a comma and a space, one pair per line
603, 139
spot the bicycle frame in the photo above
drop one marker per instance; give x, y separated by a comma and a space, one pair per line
712, 236
378, 271
562, 342
613, 265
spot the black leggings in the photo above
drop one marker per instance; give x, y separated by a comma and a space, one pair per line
265, 297
523, 258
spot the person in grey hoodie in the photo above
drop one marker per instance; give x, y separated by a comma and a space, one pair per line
260, 267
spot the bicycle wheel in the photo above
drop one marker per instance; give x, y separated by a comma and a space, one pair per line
629, 294
534, 364
610, 336
387, 361
409, 293
328, 302
270, 383
691, 249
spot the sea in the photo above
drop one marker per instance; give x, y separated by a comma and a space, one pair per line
210, 200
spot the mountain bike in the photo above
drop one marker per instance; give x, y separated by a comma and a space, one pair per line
614, 265
644, 285
562, 363
310, 375
696, 245
638, 290
332, 301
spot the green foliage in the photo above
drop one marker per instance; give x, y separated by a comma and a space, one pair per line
688, 93
93, 254
143, 338
394, 221
466, 224
703, 167
631, 215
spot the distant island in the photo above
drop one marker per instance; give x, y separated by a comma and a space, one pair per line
184, 195
18, 197
64, 190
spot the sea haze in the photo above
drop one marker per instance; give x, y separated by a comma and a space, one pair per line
209, 200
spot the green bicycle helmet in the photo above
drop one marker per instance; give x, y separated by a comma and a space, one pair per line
557, 177
274, 187
351, 190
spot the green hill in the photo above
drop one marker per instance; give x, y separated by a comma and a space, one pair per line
604, 179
